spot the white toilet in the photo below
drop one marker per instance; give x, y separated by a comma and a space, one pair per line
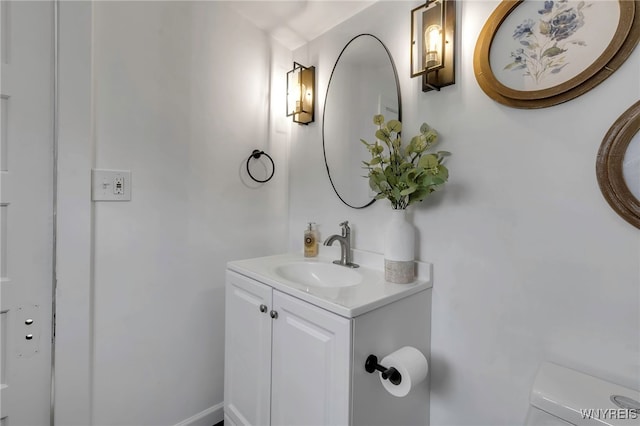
561, 396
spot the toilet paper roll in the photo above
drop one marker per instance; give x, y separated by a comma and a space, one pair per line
412, 366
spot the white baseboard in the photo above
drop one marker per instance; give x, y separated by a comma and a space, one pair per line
208, 417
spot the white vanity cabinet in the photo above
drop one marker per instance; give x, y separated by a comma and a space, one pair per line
247, 369
295, 354
286, 361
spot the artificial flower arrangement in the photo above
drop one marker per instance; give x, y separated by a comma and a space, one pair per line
404, 175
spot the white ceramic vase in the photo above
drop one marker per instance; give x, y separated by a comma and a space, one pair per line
399, 249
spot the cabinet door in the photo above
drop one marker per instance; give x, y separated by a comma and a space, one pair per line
247, 371
311, 362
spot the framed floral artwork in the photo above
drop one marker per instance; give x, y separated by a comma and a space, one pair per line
618, 165
533, 54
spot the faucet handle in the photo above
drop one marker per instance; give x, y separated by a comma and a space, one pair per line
345, 228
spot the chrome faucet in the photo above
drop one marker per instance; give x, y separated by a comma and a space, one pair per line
346, 258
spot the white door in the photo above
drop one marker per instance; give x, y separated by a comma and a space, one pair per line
26, 210
311, 365
247, 371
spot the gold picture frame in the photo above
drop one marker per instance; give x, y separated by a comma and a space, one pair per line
609, 165
525, 42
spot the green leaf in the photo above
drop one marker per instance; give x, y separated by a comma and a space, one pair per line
373, 184
394, 126
375, 160
389, 177
409, 150
443, 173
431, 137
405, 166
424, 128
378, 119
418, 195
396, 193
427, 180
408, 191
553, 51
428, 161
383, 135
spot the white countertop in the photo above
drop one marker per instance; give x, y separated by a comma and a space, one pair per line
345, 301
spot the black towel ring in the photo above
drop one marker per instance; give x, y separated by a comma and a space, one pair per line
256, 154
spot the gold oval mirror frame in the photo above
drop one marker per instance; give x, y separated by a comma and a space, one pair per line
609, 165
623, 42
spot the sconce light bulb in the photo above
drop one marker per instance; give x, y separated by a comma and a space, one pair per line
433, 45
294, 98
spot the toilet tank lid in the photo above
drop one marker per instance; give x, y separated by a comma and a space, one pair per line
573, 396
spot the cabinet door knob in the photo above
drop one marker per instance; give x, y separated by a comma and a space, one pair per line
263, 308
274, 314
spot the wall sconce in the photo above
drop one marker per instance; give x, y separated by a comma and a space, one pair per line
301, 82
433, 31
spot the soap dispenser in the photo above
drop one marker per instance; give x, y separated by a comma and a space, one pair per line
310, 241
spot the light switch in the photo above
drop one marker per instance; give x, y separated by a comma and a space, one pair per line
110, 185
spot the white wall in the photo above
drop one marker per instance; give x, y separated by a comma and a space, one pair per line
530, 262
180, 96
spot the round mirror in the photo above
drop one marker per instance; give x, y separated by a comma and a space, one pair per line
618, 165
363, 83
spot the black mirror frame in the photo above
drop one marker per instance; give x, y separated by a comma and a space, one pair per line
395, 72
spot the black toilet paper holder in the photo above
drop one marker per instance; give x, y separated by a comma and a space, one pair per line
391, 374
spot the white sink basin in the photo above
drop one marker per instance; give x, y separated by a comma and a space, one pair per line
343, 291
314, 274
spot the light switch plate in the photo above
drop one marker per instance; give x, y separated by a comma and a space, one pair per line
110, 185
